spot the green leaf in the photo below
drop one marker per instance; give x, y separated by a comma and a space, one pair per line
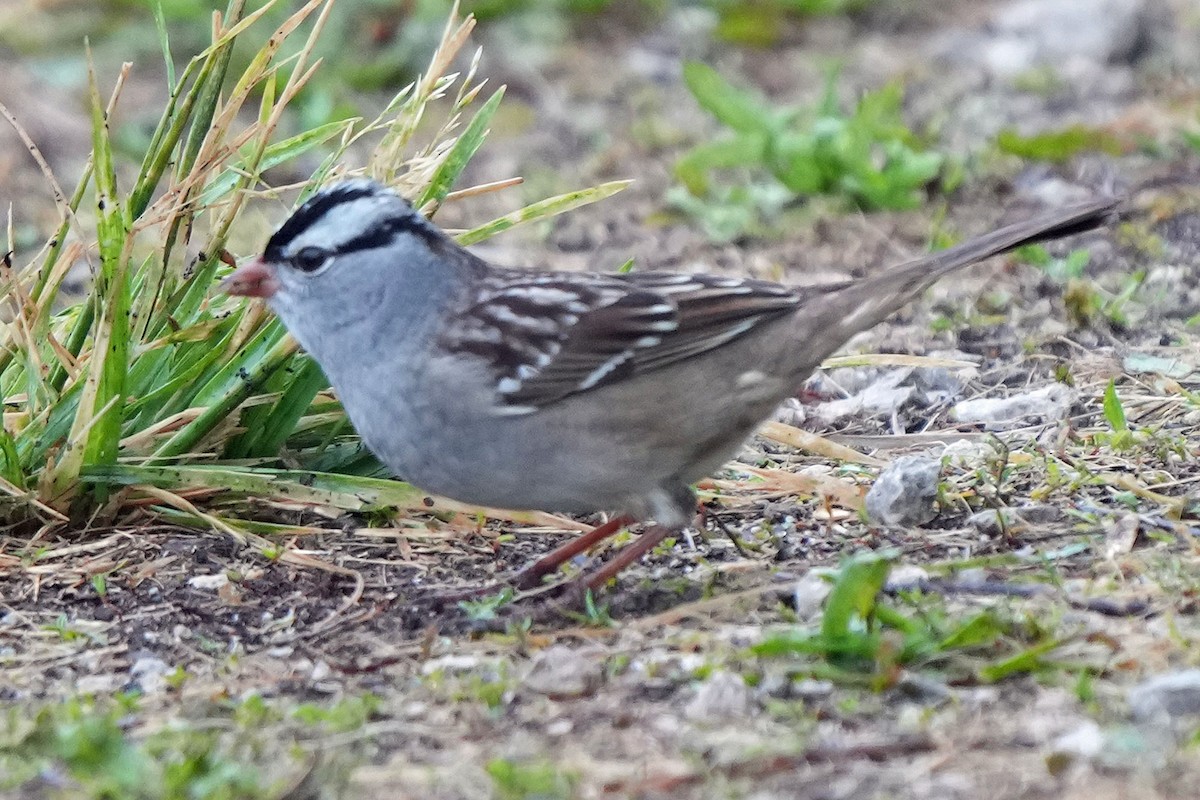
164, 41
239, 379
734, 106
859, 582
1114, 411
462, 152
166, 136
96, 430
346, 492
1059, 146
878, 113
912, 170
12, 471
1027, 660
744, 150
980, 629
793, 159
541, 210
265, 436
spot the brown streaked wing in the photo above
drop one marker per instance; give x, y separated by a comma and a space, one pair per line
551, 335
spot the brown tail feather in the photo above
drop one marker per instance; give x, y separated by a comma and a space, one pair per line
1055, 224
868, 302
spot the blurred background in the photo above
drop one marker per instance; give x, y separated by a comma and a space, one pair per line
749, 126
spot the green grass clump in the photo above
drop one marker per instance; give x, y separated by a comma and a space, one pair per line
538, 780
158, 392
114, 748
866, 639
867, 156
1087, 304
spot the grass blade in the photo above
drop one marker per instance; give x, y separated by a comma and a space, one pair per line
96, 431
541, 210
268, 427
273, 156
248, 380
461, 153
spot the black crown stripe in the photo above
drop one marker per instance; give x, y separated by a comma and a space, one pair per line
312, 210
385, 232
379, 235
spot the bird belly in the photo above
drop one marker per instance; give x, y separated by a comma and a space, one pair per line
603, 450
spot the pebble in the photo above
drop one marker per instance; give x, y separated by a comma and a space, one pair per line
924, 689
1122, 748
811, 689
457, 664
210, 582
150, 673
562, 673
997, 521
724, 696
1102, 31
906, 576
903, 494
1171, 695
1024, 35
1048, 404
809, 594
1082, 743
98, 684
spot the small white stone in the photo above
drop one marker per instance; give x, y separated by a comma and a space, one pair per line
1175, 694
809, 594
1085, 741
560, 672
559, 727
98, 684
150, 673
723, 697
750, 378
210, 582
903, 494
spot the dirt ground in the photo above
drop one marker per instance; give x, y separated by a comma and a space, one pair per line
666, 699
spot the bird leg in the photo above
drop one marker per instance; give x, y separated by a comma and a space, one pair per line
625, 556
530, 577
571, 594
678, 499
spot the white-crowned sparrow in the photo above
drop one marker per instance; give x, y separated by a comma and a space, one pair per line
562, 391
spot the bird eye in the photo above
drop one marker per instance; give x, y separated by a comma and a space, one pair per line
310, 259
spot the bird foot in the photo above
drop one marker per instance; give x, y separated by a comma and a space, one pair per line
528, 582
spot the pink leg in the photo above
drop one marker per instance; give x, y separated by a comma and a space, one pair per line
530, 577
630, 553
